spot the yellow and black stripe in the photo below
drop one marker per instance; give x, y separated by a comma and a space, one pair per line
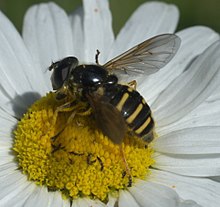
134, 109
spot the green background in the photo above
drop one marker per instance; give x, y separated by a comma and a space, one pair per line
192, 12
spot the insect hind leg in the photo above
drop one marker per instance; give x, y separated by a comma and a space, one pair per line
127, 169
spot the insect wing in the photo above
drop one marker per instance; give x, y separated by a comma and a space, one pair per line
147, 57
108, 119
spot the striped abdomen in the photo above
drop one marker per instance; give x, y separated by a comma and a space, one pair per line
135, 111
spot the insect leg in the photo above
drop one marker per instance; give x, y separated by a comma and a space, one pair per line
90, 161
101, 163
133, 84
127, 169
76, 153
83, 112
56, 148
69, 106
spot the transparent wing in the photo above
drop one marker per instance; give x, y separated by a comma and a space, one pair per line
108, 118
147, 57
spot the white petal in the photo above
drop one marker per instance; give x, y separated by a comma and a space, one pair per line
6, 155
97, 29
189, 203
7, 125
86, 202
14, 189
204, 191
16, 64
199, 140
203, 165
154, 195
6, 158
55, 199
18, 105
147, 21
5, 152
39, 197
6, 143
7, 169
216, 178
206, 114
190, 88
48, 35
19, 195
76, 19
215, 95
19, 76
112, 199
4, 116
194, 41
126, 199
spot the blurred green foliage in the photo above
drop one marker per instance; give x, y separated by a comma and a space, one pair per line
192, 12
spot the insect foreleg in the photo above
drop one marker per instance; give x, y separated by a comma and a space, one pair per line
67, 107
77, 108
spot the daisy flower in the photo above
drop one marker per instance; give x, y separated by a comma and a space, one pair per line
81, 167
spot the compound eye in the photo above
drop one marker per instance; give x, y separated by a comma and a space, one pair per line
59, 76
61, 71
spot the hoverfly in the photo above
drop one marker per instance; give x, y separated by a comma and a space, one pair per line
117, 108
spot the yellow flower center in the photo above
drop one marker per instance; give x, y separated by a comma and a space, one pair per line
72, 155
